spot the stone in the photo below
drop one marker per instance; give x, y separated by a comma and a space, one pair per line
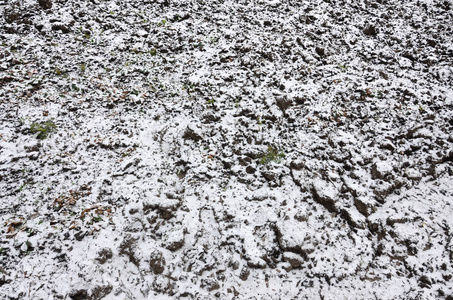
283, 102
290, 239
163, 285
80, 294
256, 263
424, 282
295, 260
100, 292
250, 170
364, 205
297, 165
80, 235
33, 146
166, 208
127, 248
353, 217
382, 190
45, 4
261, 194
209, 117
413, 174
11, 16
396, 220
192, 133
103, 255
210, 284
380, 170
326, 194
174, 240
61, 27
157, 262
244, 275
370, 30
320, 51
136, 226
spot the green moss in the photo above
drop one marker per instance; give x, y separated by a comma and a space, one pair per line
43, 129
271, 154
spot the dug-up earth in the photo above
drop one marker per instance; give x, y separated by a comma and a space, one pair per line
173, 149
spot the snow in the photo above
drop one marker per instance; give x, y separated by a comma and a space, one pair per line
163, 112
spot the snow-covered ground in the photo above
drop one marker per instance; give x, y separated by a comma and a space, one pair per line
178, 149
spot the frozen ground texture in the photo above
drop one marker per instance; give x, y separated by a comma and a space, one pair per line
229, 149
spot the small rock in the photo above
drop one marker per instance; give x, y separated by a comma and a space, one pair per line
283, 103
61, 27
380, 170
297, 165
80, 294
210, 284
45, 4
413, 174
325, 194
409, 56
364, 205
424, 282
136, 226
320, 51
250, 170
370, 30
295, 260
256, 263
192, 133
301, 216
39, 27
174, 240
289, 237
448, 157
12, 16
133, 211
61, 258
100, 292
285, 266
382, 190
157, 262
103, 255
271, 176
80, 235
384, 75
348, 258
162, 284
210, 117
370, 278
32, 146
353, 217
261, 195
396, 220
431, 42
127, 247
33, 156
165, 207
388, 145
244, 275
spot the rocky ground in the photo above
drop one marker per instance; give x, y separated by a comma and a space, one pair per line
226, 149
